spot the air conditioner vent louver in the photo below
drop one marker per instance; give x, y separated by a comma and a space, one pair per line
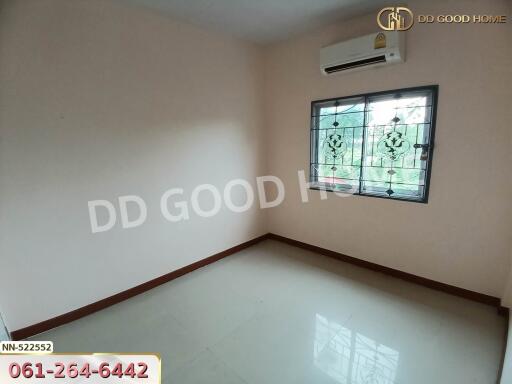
355, 64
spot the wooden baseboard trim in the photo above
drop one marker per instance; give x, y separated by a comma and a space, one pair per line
65, 318
461, 292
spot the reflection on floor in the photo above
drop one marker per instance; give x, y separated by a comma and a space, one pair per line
349, 357
278, 314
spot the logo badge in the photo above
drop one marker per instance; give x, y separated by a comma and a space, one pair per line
380, 41
395, 19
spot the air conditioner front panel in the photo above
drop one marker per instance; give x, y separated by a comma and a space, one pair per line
362, 53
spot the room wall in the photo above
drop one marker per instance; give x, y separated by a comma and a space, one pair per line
506, 376
100, 100
462, 236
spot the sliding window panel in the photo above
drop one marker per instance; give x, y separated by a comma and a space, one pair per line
397, 144
337, 128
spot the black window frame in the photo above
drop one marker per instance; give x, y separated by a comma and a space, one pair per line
434, 89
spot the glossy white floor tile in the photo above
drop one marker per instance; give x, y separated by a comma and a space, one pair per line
278, 314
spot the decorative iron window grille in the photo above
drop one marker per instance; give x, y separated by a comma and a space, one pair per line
378, 144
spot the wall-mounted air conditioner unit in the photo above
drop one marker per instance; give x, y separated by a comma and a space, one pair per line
364, 52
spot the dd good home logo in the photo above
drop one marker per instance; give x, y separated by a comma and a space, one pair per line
395, 19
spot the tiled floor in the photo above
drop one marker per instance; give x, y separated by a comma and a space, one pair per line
278, 314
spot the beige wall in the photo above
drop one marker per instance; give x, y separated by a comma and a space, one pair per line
507, 361
462, 237
506, 376
507, 295
100, 100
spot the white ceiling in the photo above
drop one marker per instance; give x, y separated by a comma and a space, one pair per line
263, 21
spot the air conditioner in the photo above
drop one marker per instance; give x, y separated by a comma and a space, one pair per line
369, 51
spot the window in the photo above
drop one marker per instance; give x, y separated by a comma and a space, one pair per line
377, 144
